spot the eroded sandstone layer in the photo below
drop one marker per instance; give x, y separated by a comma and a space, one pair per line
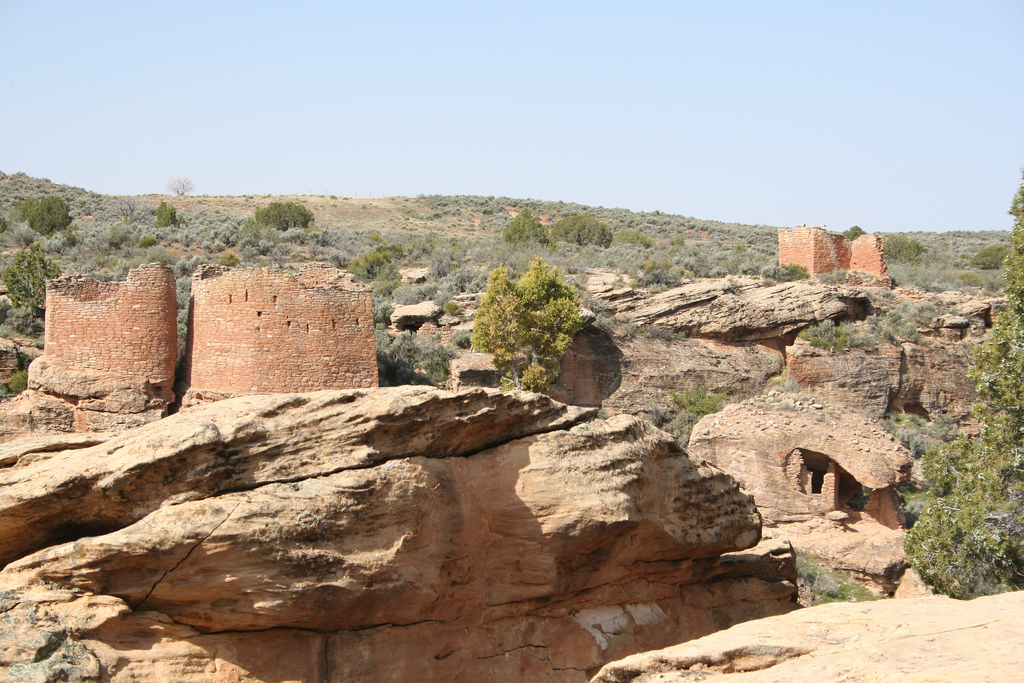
891, 641
371, 535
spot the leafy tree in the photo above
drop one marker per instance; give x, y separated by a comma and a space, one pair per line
284, 215
527, 325
166, 216
26, 278
525, 227
582, 230
904, 249
970, 539
991, 257
47, 215
854, 232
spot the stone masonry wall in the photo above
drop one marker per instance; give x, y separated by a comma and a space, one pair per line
265, 330
867, 255
121, 331
820, 251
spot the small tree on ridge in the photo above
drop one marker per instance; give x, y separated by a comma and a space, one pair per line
527, 325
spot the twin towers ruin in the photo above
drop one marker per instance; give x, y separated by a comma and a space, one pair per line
114, 345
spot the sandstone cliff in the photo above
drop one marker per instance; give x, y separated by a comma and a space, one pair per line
390, 534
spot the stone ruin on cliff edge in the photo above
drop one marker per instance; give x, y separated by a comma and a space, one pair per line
821, 252
268, 331
111, 347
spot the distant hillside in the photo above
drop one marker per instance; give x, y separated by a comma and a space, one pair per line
445, 233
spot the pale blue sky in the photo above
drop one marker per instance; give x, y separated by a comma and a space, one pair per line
889, 115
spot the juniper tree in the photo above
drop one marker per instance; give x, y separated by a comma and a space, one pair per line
527, 325
25, 279
525, 227
970, 539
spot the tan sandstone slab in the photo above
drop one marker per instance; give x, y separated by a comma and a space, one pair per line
892, 641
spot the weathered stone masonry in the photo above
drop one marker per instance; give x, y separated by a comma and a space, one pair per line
820, 251
119, 332
265, 330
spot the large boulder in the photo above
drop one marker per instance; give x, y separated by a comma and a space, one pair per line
746, 309
412, 317
388, 534
924, 639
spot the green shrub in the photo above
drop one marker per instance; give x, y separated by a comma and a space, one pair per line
524, 228
991, 257
229, 259
372, 265
166, 216
258, 237
147, 242
25, 321
452, 308
659, 273
410, 358
854, 232
633, 237
47, 215
284, 216
382, 309
582, 230
690, 406
18, 382
826, 335
462, 339
903, 249
971, 279
917, 434
828, 585
796, 272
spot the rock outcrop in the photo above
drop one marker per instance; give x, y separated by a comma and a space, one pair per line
821, 476
652, 367
927, 379
388, 534
474, 370
746, 309
412, 317
925, 639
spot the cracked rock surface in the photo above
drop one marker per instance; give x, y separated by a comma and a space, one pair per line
371, 535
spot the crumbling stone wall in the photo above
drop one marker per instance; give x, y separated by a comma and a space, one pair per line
820, 251
9, 361
106, 336
264, 330
867, 255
